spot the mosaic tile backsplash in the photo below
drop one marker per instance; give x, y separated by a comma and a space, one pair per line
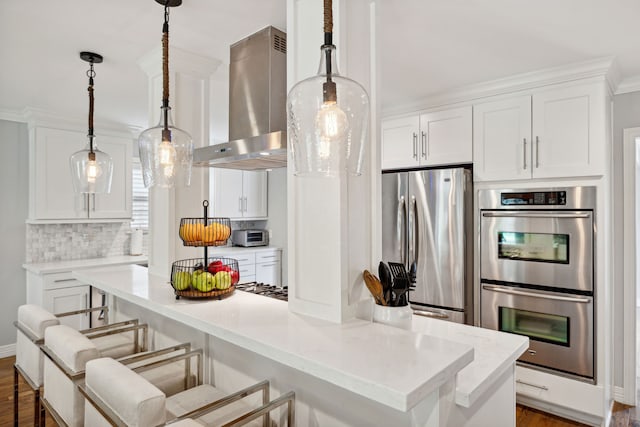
56, 242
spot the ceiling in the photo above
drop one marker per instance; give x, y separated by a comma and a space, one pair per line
427, 46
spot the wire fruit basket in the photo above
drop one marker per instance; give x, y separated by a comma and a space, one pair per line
192, 279
204, 277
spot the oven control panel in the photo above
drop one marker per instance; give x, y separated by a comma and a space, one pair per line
550, 198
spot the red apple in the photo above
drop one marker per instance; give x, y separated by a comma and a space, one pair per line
215, 266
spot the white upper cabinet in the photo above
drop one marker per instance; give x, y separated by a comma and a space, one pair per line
51, 195
554, 133
430, 139
502, 139
400, 142
239, 194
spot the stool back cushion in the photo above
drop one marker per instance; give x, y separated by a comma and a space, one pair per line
74, 350
134, 399
35, 319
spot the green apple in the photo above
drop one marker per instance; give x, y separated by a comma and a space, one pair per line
205, 282
181, 280
196, 279
222, 280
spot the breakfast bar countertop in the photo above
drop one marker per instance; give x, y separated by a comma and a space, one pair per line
354, 355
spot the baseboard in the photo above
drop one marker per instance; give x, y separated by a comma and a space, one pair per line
7, 350
619, 396
560, 411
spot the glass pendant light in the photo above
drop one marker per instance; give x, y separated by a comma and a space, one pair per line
91, 169
328, 116
166, 152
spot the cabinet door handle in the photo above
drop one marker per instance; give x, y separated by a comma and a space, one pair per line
541, 387
93, 207
524, 153
245, 204
86, 304
415, 146
537, 152
63, 280
424, 145
240, 204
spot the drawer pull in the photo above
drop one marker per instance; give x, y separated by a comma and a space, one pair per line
541, 387
269, 256
63, 280
267, 265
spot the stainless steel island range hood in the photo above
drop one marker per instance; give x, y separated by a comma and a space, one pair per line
257, 98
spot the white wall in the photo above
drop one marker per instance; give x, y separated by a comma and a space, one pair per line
626, 114
277, 210
14, 187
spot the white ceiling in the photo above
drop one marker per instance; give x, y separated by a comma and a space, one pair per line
428, 46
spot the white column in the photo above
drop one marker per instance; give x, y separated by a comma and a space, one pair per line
334, 223
189, 100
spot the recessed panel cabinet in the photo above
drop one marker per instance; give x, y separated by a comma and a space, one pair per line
51, 195
430, 139
554, 133
239, 194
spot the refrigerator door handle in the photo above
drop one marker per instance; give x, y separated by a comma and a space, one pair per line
401, 216
416, 231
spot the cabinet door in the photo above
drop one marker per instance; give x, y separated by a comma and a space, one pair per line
69, 299
568, 132
446, 137
116, 204
502, 139
269, 273
226, 190
50, 187
400, 145
254, 186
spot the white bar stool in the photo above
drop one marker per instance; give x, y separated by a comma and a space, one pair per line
113, 340
121, 397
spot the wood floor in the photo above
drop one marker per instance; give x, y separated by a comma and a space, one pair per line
525, 417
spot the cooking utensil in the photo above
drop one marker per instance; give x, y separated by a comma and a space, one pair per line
385, 279
401, 283
375, 287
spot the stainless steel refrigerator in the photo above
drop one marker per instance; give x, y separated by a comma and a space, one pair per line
427, 225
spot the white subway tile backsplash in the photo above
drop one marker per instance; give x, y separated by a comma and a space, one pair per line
56, 242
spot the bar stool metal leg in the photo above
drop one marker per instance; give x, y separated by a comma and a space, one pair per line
15, 396
36, 408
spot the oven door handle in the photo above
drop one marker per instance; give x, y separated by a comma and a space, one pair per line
538, 214
429, 313
504, 290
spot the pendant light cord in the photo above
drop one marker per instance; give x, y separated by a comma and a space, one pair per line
166, 135
91, 74
328, 22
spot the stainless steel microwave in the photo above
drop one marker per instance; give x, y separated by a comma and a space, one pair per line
249, 238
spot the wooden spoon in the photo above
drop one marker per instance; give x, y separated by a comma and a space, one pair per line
375, 287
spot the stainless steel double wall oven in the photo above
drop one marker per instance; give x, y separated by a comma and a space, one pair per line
537, 273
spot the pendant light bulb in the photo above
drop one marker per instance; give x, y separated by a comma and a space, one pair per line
331, 125
93, 171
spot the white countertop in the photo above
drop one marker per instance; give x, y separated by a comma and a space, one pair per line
77, 264
495, 352
391, 366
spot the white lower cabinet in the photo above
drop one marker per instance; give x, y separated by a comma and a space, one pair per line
60, 293
268, 268
262, 266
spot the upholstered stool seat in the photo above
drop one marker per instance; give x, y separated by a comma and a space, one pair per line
125, 397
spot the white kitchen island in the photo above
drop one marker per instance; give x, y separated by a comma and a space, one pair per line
355, 373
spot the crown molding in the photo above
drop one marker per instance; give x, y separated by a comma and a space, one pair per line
630, 84
180, 60
600, 68
11, 115
36, 117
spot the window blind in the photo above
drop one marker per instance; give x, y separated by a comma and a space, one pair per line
140, 202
